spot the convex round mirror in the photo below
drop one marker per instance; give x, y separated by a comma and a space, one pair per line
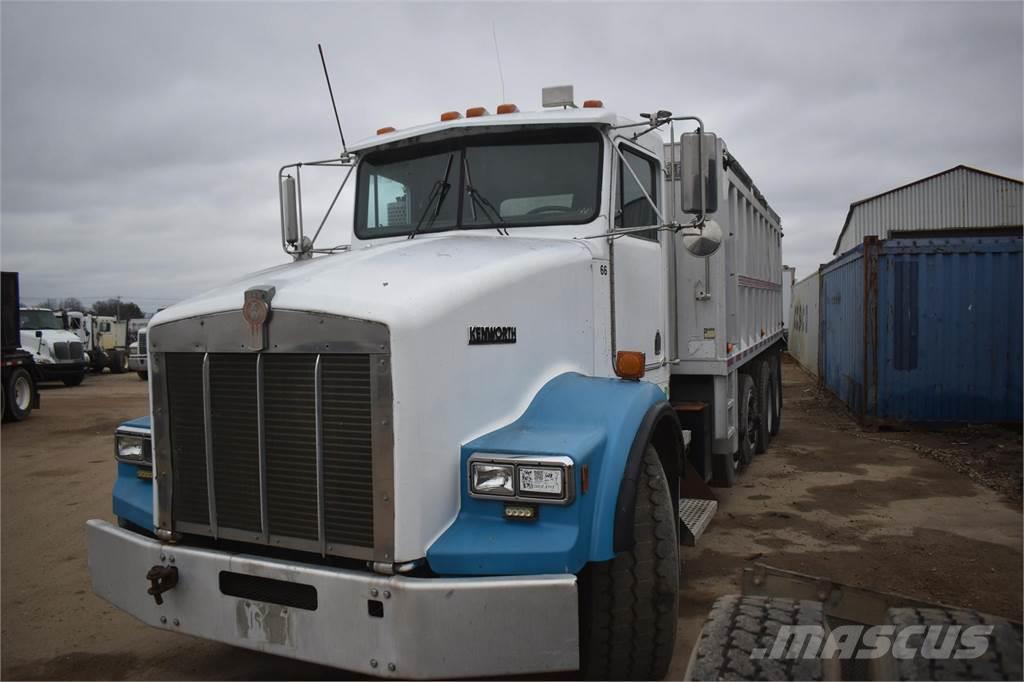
705, 242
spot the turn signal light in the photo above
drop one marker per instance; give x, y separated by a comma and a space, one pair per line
508, 109
630, 364
593, 104
476, 112
385, 130
450, 116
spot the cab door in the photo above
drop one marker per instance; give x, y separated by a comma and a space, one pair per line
639, 279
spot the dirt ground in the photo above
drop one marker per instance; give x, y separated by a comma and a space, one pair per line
902, 512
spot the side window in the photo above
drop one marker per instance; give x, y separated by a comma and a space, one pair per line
633, 209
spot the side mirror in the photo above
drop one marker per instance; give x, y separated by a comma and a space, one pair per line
699, 172
289, 211
39, 334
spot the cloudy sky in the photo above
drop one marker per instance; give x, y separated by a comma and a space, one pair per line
140, 142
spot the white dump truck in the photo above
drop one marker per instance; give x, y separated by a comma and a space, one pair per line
470, 441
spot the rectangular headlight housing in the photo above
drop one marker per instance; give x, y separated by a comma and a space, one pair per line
533, 478
133, 448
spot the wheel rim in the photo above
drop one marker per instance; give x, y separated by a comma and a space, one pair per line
751, 434
770, 412
22, 394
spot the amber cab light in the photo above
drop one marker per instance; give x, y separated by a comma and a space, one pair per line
450, 116
593, 104
630, 364
385, 130
476, 112
508, 109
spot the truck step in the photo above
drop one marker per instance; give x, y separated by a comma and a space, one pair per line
695, 516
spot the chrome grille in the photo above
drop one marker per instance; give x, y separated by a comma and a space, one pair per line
287, 441
142, 342
75, 350
60, 350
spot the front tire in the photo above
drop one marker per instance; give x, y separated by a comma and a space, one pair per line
629, 605
18, 391
118, 362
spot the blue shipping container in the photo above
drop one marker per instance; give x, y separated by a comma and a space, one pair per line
925, 330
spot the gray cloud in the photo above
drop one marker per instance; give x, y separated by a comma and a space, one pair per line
141, 140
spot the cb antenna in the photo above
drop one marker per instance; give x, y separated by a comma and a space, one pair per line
344, 149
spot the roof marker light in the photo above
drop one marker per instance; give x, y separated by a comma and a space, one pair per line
451, 116
476, 112
508, 109
385, 130
593, 104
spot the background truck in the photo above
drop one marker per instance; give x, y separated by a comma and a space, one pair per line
58, 354
470, 442
18, 391
137, 355
105, 339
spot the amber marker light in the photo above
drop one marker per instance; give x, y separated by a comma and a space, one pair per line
385, 130
508, 109
451, 116
476, 112
593, 104
630, 364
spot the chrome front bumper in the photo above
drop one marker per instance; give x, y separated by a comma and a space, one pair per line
136, 363
427, 627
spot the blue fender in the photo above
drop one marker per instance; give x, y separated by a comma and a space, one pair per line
594, 421
133, 496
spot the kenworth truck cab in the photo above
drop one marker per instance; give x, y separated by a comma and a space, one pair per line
460, 445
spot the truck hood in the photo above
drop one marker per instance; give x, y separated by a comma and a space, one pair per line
30, 342
406, 281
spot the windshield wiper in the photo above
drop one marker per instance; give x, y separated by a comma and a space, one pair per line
439, 191
480, 200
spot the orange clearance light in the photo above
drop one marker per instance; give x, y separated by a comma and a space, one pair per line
629, 364
385, 130
728, 348
508, 109
476, 112
450, 116
593, 104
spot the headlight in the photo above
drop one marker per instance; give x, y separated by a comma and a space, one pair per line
132, 449
522, 477
492, 479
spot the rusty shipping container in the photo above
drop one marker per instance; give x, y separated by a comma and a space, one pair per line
925, 330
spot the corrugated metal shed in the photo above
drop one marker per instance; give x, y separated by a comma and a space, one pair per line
926, 330
961, 198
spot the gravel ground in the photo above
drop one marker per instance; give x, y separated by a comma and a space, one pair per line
878, 510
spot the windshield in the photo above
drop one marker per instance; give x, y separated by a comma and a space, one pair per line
39, 319
508, 179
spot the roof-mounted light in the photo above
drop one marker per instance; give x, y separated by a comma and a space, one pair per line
476, 112
593, 104
508, 109
385, 130
451, 116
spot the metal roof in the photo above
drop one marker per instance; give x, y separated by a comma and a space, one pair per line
961, 197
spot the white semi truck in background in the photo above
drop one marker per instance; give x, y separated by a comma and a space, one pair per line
469, 442
59, 355
104, 337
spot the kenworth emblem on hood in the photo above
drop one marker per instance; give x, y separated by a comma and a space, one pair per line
256, 312
479, 336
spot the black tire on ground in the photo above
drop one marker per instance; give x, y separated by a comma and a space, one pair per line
764, 406
118, 362
1000, 661
738, 625
629, 605
776, 364
143, 375
73, 380
747, 419
18, 391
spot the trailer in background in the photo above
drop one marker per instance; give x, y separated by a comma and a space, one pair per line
803, 333
19, 394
